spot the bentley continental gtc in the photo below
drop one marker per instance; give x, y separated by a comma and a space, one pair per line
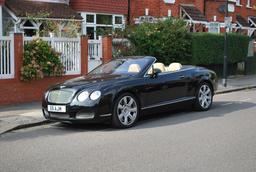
122, 90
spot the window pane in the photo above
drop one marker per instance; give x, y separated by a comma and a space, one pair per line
103, 31
90, 18
104, 19
90, 32
118, 20
29, 32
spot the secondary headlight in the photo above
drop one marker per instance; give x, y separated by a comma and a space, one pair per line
95, 95
83, 96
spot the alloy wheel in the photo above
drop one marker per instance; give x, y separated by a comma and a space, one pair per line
127, 110
205, 96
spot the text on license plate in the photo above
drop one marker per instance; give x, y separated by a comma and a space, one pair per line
54, 108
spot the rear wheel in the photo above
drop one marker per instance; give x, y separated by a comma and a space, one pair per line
204, 97
126, 111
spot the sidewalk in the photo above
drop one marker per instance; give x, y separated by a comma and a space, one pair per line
30, 114
237, 83
20, 116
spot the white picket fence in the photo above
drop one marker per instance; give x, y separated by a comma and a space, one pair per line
6, 57
94, 53
69, 49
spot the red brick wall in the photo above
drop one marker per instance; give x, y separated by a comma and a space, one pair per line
244, 11
159, 8
138, 8
212, 9
15, 91
101, 6
2, 2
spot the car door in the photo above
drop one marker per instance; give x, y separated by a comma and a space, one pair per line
177, 83
163, 88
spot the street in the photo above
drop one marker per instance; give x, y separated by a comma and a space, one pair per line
222, 139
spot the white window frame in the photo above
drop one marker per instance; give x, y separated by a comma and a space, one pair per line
248, 4
238, 3
218, 28
95, 25
169, 1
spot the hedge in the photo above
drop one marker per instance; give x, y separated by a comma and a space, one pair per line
167, 40
208, 48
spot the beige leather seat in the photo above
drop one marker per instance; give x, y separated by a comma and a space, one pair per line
159, 66
174, 67
134, 68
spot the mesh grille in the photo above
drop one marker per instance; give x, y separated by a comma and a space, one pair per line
61, 96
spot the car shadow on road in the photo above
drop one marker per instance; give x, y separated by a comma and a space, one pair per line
219, 109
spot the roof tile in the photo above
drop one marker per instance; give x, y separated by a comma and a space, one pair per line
23, 8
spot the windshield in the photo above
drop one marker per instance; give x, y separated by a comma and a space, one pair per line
122, 66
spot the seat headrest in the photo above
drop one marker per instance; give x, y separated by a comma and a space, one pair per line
134, 68
159, 66
174, 67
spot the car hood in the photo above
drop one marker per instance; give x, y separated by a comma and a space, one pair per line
95, 81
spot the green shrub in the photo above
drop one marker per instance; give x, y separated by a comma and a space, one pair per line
208, 48
40, 60
167, 40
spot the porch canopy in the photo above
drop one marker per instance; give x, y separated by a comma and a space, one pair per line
242, 22
192, 14
21, 9
252, 21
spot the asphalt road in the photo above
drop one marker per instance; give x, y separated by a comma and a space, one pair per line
222, 140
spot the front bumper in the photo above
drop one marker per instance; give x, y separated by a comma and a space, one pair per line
79, 113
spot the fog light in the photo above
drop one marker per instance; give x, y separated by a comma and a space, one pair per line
84, 115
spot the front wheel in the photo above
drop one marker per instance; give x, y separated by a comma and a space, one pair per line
126, 111
204, 97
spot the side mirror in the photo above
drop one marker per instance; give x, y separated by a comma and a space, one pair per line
155, 73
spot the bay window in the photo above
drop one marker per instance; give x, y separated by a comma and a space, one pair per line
94, 24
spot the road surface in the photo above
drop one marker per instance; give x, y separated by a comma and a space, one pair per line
222, 139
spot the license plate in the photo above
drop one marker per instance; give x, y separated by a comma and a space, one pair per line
54, 108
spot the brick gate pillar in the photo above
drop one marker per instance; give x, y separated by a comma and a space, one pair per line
107, 48
18, 54
84, 54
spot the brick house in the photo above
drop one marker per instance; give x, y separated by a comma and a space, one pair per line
31, 17
202, 15
101, 15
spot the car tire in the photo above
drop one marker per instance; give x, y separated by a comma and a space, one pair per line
204, 97
125, 111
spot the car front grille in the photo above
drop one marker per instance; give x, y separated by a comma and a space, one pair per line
61, 96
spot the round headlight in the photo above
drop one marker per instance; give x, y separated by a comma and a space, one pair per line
95, 95
83, 96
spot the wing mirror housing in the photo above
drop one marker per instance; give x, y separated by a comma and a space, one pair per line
155, 73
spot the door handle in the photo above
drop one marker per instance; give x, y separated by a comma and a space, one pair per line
182, 76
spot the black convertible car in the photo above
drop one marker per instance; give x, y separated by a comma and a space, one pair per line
123, 89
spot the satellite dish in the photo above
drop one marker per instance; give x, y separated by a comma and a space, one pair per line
222, 8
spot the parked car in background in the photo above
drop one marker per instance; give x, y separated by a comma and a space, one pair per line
123, 89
